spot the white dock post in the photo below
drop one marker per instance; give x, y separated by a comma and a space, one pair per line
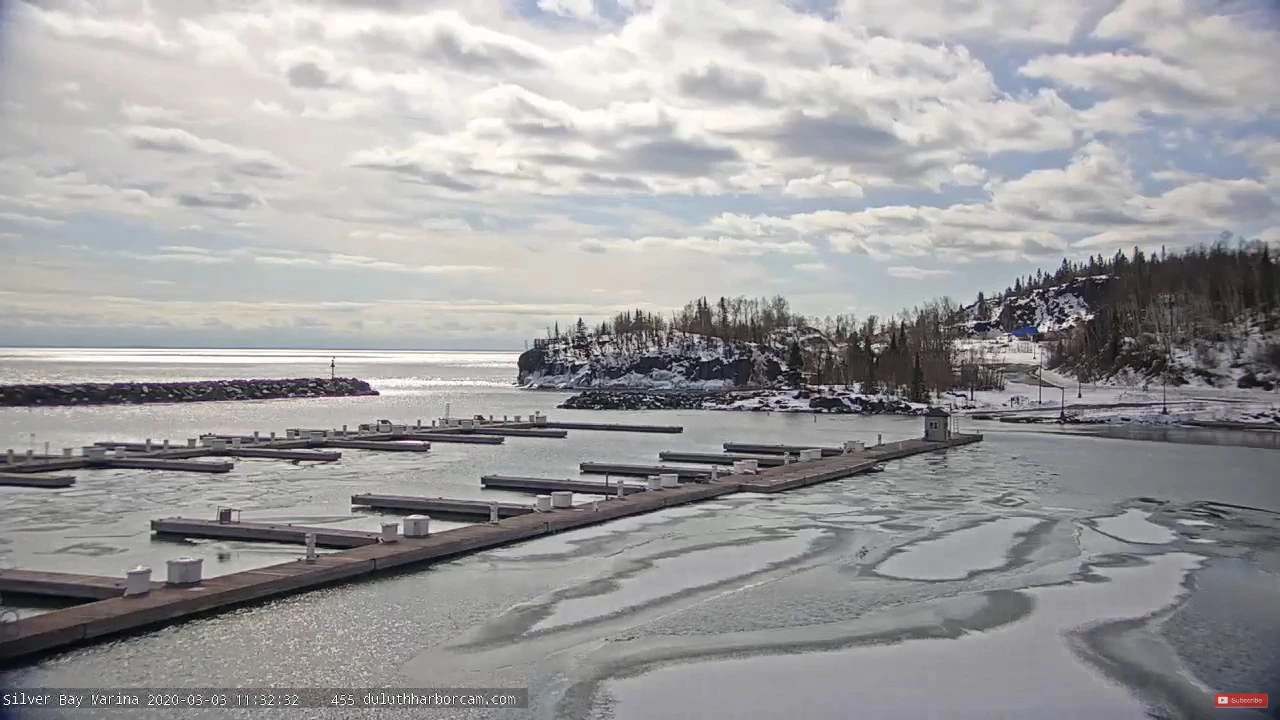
68, 452
166, 444
310, 540
146, 445
879, 438
46, 448
191, 442
417, 424
669, 480
542, 503
8, 456
504, 418
561, 500
417, 526
273, 434
137, 581
493, 512
184, 571
654, 482
31, 454
235, 443
715, 473
344, 430
595, 506
433, 423
390, 532
622, 489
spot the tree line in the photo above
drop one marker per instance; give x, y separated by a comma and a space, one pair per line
1194, 298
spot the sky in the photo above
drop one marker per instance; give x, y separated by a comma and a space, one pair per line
463, 173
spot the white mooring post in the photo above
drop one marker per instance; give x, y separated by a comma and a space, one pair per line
310, 540
879, 438
137, 581
595, 506
8, 456
184, 571
417, 526
68, 452
622, 489
493, 512
191, 442
390, 532
542, 503
146, 445
669, 480
653, 482
561, 500
46, 448
165, 444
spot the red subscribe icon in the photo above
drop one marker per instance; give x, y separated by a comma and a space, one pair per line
1240, 700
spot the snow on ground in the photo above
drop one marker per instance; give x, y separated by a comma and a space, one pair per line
956, 555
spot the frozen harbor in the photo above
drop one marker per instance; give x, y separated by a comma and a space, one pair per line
1025, 577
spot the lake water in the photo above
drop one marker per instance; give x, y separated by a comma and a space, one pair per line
1020, 577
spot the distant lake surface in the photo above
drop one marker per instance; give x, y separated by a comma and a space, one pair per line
1019, 577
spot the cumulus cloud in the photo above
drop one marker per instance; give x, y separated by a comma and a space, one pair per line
404, 147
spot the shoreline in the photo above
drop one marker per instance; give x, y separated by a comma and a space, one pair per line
144, 393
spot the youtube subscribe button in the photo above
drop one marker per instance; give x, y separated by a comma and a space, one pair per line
1240, 700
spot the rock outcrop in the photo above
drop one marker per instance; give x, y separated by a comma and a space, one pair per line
684, 362
817, 400
176, 392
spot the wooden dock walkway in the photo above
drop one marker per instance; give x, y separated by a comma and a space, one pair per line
517, 432
68, 586
737, 447
36, 481
450, 437
380, 445
627, 470
263, 532
84, 623
763, 461
615, 427
546, 485
471, 509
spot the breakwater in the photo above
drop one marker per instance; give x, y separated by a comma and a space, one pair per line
177, 392
816, 400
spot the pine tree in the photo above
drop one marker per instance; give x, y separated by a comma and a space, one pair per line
795, 366
918, 391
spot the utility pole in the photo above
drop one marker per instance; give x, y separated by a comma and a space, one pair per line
333, 368
1039, 375
1168, 358
1062, 411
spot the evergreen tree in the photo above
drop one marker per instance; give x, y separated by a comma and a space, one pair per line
918, 392
795, 366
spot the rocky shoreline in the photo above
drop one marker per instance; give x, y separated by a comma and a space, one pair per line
816, 400
178, 392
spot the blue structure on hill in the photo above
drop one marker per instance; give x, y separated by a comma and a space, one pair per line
1026, 332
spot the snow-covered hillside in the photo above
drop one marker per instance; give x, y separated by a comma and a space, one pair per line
1049, 310
676, 362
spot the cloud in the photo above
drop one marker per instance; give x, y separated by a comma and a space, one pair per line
394, 148
910, 272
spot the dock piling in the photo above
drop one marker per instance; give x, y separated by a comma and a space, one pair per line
654, 482
310, 541
542, 503
8, 456
493, 512
146, 445
622, 490
137, 581
68, 452
31, 455
417, 526
561, 500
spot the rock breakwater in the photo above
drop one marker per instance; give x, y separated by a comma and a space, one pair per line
177, 392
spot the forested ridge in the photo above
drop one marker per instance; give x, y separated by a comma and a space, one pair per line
1133, 310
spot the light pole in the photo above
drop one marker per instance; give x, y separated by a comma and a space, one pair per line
1168, 358
1039, 375
1062, 411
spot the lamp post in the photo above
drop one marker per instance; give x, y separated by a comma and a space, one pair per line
1039, 375
1062, 409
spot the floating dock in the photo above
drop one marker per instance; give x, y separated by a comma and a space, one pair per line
145, 463
518, 432
753, 448
721, 458
36, 481
546, 485
471, 509
442, 437
263, 532
684, 473
370, 553
380, 445
67, 586
614, 427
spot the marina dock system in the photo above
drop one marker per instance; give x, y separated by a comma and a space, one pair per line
546, 485
615, 427
471, 509
148, 604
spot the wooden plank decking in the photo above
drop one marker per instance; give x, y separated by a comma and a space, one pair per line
546, 485
472, 509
